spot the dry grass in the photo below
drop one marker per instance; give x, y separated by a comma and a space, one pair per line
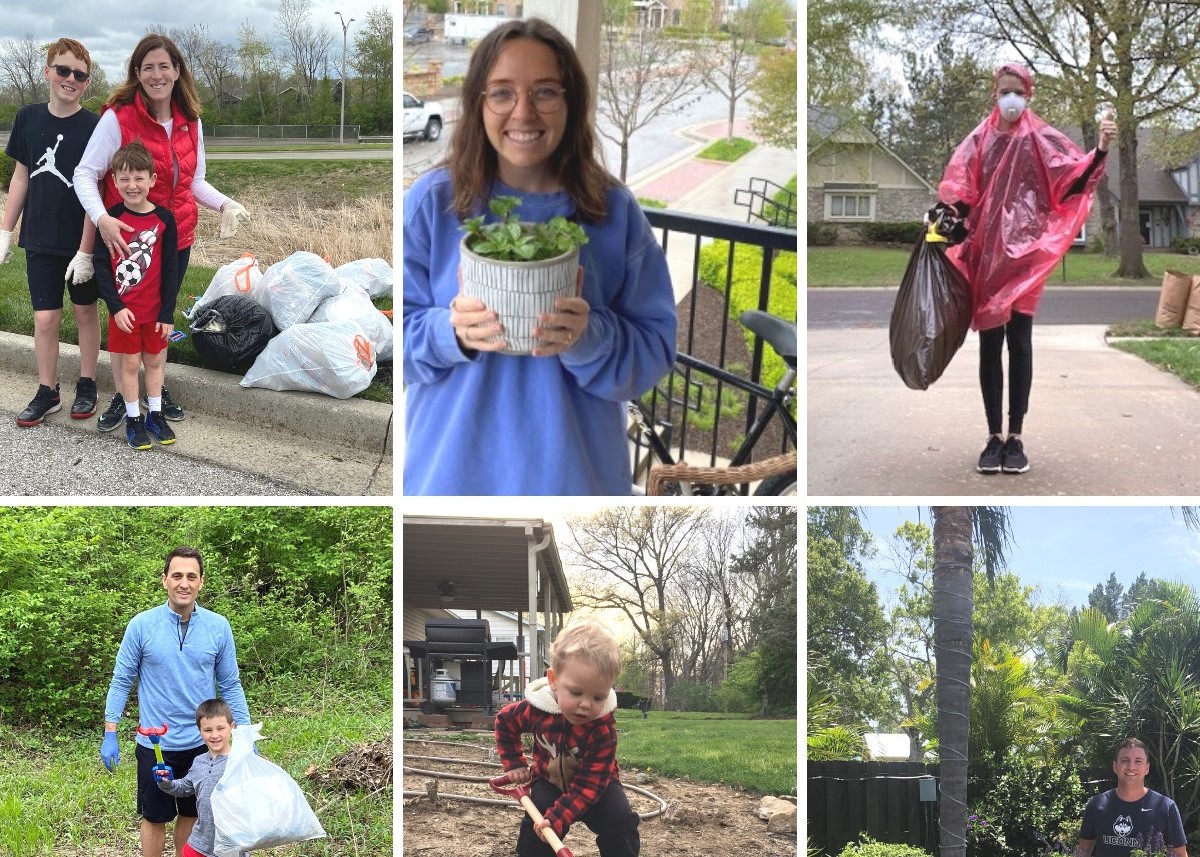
362, 230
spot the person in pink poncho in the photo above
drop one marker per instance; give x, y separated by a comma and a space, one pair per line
1015, 194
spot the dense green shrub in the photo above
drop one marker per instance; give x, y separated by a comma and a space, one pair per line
900, 232
1026, 803
821, 234
868, 847
7, 165
693, 696
1191, 246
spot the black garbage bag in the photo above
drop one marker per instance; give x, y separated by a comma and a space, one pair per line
231, 331
931, 317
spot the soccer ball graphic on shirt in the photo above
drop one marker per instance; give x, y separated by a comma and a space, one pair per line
131, 269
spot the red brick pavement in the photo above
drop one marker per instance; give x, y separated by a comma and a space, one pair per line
673, 184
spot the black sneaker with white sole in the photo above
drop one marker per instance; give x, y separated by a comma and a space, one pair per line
45, 401
170, 410
992, 456
114, 415
84, 406
1015, 460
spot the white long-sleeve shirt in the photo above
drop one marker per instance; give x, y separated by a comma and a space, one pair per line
97, 159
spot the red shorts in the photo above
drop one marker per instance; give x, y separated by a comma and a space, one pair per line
143, 339
189, 851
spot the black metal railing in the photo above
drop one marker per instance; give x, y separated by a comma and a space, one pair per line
771, 203
673, 404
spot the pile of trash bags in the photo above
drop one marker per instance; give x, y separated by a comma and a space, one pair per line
300, 325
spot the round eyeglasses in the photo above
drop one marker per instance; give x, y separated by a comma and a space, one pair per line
502, 100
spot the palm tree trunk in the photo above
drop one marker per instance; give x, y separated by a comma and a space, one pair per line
952, 608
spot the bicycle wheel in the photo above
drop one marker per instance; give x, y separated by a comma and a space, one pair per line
779, 485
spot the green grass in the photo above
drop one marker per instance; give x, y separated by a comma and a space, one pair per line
1147, 327
884, 266
58, 794
647, 202
726, 150
758, 755
320, 183
16, 316
213, 144
1179, 358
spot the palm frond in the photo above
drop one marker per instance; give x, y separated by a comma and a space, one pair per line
992, 530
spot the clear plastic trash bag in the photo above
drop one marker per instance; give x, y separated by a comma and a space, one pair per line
256, 803
240, 277
331, 357
355, 305
295, 286
374, 276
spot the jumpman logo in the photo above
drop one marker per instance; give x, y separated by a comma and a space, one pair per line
46, 163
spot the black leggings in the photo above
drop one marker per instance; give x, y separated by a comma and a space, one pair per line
1019, 332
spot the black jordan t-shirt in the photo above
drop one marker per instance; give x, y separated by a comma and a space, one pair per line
1119, 826
50, 148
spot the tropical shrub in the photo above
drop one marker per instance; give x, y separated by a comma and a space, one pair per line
868, 847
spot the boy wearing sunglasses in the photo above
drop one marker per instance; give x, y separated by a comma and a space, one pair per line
46, 143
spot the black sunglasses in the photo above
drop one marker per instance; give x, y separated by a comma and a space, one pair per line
67, 71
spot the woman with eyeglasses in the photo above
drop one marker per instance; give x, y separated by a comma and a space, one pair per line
479, 421
158, 105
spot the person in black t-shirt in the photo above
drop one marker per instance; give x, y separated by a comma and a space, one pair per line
46, 143
1131, 815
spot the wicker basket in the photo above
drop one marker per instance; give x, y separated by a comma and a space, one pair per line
518, 292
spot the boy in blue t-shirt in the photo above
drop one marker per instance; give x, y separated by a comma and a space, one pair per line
47, 142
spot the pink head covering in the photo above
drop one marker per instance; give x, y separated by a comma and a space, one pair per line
1016, 70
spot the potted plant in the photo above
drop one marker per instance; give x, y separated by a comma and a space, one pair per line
518, 269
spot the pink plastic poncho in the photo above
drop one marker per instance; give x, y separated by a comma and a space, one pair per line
1020, 224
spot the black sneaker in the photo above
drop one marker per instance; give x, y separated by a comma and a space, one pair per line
84, 406
45, 401
135, 433
158, 429
1014, 456
170, 410
991, 457
114, 416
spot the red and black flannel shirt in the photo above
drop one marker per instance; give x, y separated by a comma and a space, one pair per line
593, 744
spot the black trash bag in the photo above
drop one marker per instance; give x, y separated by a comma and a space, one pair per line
231, 332
931, 317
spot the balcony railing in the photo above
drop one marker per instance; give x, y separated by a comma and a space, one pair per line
701, 418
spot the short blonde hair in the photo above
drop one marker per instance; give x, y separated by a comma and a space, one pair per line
588, 640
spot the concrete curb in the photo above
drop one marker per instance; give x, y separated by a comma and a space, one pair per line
350, 422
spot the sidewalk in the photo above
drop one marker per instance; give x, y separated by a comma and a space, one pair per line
1101, 422
305, 443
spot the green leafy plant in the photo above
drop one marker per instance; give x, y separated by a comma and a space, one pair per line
510, 240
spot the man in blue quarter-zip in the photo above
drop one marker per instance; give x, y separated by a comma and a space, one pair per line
177, 653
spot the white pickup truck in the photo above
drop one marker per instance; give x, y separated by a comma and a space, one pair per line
422, 119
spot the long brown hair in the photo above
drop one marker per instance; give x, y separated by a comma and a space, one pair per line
183, 93
473, 162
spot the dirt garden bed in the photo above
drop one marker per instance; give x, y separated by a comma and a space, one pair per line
700, 819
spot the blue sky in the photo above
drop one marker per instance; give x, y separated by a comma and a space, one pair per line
1067, 550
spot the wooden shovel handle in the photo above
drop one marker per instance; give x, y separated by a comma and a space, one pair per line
560, 850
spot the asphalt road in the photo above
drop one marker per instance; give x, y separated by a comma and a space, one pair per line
830, 309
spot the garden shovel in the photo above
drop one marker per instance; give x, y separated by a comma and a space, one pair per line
153, 733
521, 793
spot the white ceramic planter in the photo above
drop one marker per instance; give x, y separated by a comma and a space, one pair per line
519, 292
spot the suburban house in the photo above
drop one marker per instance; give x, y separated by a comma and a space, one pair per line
853, 178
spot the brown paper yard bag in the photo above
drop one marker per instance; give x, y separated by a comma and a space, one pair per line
1173, 299
1191, 316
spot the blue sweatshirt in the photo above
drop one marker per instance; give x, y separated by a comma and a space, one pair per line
487, 423
176, 667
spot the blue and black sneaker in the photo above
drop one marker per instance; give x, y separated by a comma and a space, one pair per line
135, 433
158, 429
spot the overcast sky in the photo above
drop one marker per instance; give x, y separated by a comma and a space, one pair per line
110, 29
1067, 550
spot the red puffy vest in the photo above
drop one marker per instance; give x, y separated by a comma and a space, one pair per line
183, 148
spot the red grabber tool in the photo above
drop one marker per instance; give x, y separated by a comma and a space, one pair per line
153, 733
521, 793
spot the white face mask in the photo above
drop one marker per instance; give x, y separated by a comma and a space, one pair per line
1011, 106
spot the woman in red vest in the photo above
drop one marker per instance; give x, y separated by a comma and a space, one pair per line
158, 105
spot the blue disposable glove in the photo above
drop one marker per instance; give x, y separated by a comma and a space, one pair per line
165, 773
110, 754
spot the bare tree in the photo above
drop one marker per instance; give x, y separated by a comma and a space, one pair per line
643, 75
254, 57
736, 69
308, 45
631, 559
21, 63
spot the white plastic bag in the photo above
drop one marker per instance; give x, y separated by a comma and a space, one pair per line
355, 305
374, 276
257, 804
295, 287
331, 357
240, 277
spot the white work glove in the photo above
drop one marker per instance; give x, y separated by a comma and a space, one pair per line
5, 249
80, 269
231, 215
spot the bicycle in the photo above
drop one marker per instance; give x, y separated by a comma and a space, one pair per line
652, 435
